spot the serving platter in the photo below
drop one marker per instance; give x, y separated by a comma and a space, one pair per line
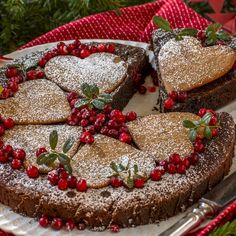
142, 105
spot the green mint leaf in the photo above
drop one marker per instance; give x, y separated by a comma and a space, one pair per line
50, 159
81, 102
178, 38
86, 90
196, 123
135, 169
64, 159
130, 182
188, 124
68, 168
162, 23
41, 159
188, 32
106, 98
121, 167
68, 144
211, 38
206, 118
222, 35
98, 104
192, 134
94, 89
213, 27
207, 132
114, 166
53, 139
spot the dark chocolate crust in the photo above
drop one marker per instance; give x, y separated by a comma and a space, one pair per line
99, 208
213, 95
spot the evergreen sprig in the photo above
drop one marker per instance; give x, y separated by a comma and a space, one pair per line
49, 158
228, 229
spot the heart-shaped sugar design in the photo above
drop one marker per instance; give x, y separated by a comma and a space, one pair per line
185, 64
105, 70
163, 134
36, 102
32, 137
92, 162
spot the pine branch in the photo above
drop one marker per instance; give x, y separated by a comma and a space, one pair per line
228, 229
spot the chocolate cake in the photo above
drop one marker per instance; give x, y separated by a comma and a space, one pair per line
212, 93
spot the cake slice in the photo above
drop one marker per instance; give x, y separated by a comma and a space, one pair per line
205, 76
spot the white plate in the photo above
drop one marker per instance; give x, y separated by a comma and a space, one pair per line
142, 104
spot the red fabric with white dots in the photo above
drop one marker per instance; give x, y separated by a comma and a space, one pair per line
133, 23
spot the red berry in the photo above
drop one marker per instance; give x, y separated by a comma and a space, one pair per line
101, 47
156, 174
90, 129
130, 116
2, 130
16, 164
86, 137
123, 129
63, 175
8, 149
199, 147
201, 35
112, 124
63, 50
17, 79
72, 120
152, 89
72, 180
182, 96
19, 154
115, 228
186, 163
202, 112
75, 52
164, 163
92, 49
82, 46
11, 72
70, 225
139, 183
32, 172
84, 122
175, 159
173, 95
110, 48
101, 118
53, 177
171, 168
85, 114
71, 47
84, 53
193, 158
62, 184
213, 120
60, 44
13, 86
3, 157
1, 143
31, 75
181, 169
47, 56
71, 96
104, 130
169, 103
57, 223
8, 123
125, 138
142, 89
41, 151
113, 133
43, 221
114, 113
40, 74
214, 132
81, 185
116, 182
107, 109
81, 226
42, 62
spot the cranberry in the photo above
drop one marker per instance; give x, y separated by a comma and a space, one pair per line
142, 89
193, 158
19, 154
130, 116
110, 48
112, 124
8, 123
31, 75
47, 56
169, 103
41, 151
125, 138
107, 109
71, 96
152, 89
2, 130
81, 185
85, 114
8, 149
114, 113
72, 180
101, 47
62, 184
81, 226
101, 118
161, 169
73, 102
104, 130
113, 133
181, 169
202, 112
72, 120
115, 228
211, 111
84, 53
3, 157
11, 72
70, 225
139, 183
60, 44
201, 35
82, 46
199, 147
1, 143
164, 163
17, 79
155, 174
32, 172
53, 178
63, 175
43, 222
123, 129
16, 164
213, 120
63, 50
75, 52
71, 47
40, 74
186, 163
86, 137
92, 49
214, 132
6, 93
90, 129
57, 223
182, 96
171, 168
173, 95
84, 122
116, 182
42, 62
13, 86
175, 158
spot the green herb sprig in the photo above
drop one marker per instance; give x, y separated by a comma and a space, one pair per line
201, 128
93, 97
228, 228
127, 173
50, 157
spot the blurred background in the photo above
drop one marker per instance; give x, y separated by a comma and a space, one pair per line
23, 20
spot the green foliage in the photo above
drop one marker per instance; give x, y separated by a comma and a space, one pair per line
228, 229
